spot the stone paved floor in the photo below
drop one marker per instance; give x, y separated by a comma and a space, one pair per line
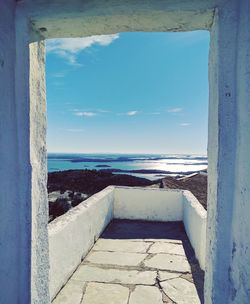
137, 262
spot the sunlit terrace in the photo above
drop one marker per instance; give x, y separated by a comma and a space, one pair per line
129, 245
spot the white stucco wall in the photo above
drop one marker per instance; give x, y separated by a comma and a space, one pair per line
194, 220
73, 234
24, 269
38, 163
62, 18
14, 266
24, 266
148, 204
228, 250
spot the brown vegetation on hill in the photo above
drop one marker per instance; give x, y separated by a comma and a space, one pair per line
197, 184
91, 181
69, 188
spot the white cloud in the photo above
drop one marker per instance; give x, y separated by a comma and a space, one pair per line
99, 112
175, 110
185, 124
85, 114
70, 57
131, 113
68, 48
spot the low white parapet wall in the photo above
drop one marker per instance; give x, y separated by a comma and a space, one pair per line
148, 204
195, 223
73, 234
165, 205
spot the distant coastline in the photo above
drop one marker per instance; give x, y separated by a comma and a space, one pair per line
150, 166
144, 171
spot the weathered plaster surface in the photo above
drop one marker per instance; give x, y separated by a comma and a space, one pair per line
14, 251
38, 162
23, 235
31, 140
82, 18
228, 252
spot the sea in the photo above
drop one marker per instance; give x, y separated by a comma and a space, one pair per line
150, 166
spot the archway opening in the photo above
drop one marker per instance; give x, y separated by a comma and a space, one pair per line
141, 97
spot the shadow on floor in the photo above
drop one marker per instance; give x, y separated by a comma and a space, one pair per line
135, 229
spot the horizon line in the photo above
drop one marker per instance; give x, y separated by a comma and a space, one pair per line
149, 153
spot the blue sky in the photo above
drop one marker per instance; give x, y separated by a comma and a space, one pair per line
128, 93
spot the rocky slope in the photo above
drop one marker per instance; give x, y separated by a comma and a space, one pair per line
91, 181
196, 183
69, 188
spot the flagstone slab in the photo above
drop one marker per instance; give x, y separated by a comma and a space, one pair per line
87, 273
180, 291
72, 292
99, 293
146, 295
164, 261
121, 246
165, 275
116, 258
128, 270
171, 248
